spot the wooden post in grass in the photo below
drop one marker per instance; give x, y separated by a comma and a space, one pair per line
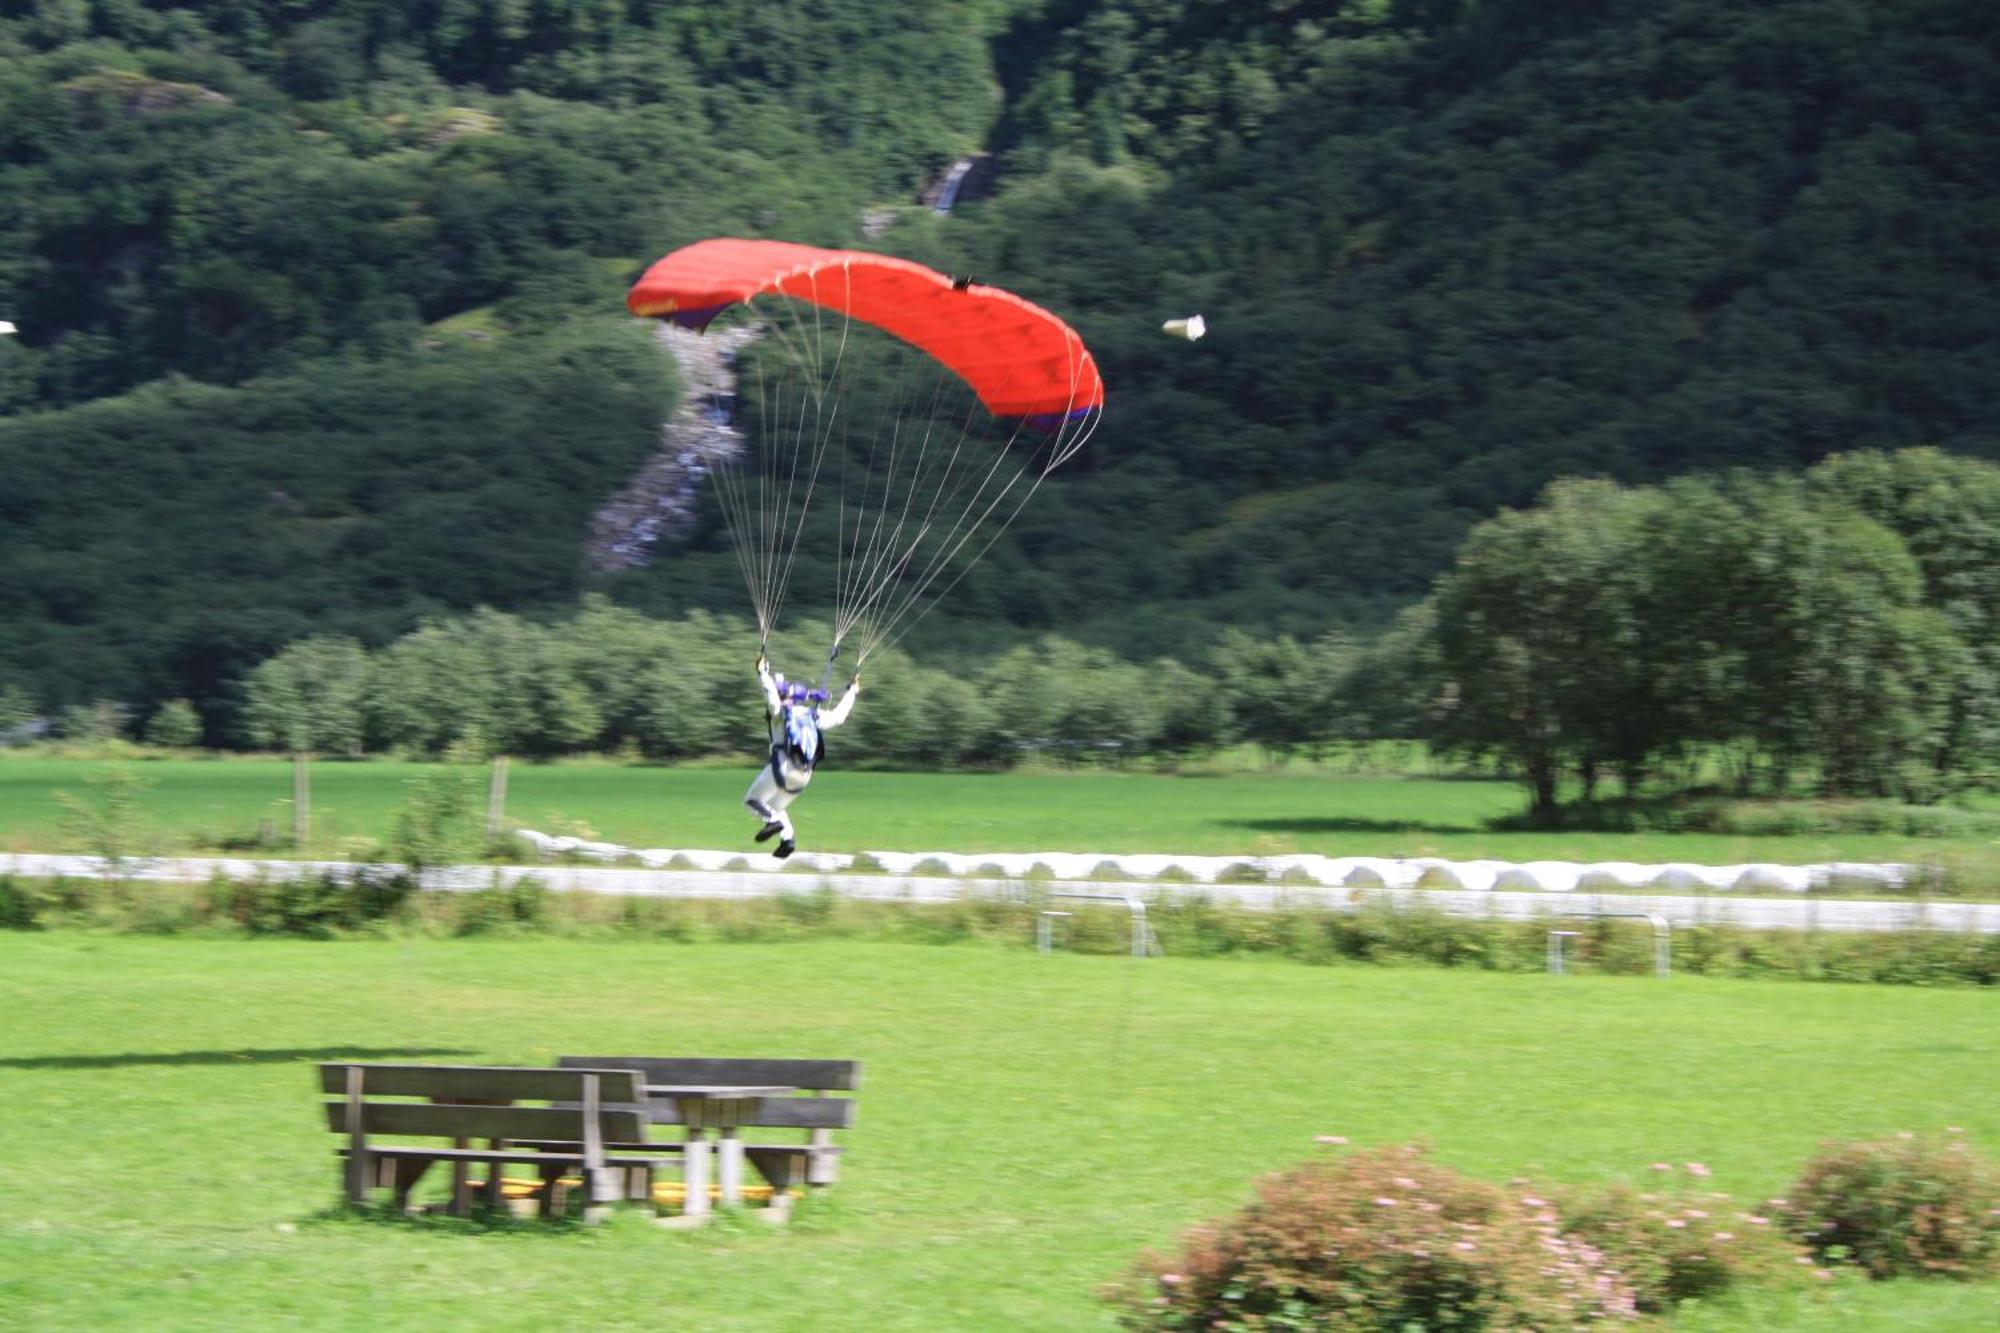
301, 800
496, 797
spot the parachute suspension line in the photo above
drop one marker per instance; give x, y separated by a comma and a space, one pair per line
1070, 437
735, 493
892, 557
847, 559
954, 541
768, 510
863, 584
892, 564
824, 422
902, 621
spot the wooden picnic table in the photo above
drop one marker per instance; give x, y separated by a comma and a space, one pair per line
724, 1108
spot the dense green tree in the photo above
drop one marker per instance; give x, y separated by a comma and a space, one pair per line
1542, 641
174, 725
309, 698
1275, 700
93, 723
1947, 512
17, 710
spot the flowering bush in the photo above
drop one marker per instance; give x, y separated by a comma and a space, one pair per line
1383, 1238
1673, 1244
1906, 1206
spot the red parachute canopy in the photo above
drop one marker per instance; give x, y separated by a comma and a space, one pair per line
1021, 360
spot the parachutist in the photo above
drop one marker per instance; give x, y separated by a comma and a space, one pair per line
796, 746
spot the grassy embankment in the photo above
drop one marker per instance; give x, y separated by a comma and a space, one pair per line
206, 806
1027, 1124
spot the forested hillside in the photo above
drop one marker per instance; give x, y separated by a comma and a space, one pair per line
319, 303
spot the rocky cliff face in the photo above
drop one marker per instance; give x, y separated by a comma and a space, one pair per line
657, 507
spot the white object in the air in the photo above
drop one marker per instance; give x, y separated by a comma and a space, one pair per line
1190, 328
6, 328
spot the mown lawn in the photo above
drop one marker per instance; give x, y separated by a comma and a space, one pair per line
1026, 1125
203, 805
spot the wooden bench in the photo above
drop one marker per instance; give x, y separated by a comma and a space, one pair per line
815, 1161
588, 1109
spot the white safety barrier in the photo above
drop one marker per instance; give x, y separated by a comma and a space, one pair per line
1333, 872
745, 875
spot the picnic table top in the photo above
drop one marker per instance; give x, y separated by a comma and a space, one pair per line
717, 1091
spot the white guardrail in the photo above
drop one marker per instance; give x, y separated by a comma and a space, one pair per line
735, 875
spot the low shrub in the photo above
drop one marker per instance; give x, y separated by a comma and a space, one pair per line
1383, 1238
1676, 1244
317, 904
1187, 926
22, 902
1909, 1206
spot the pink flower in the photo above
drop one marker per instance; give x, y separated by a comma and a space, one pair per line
1757, 1221
1329, 1138
1533, 1202
1697, 1169
1171, 1279
1385, 1202
1663, 1166
1696, 1212
1725, 1235
1822, 1273
1465, 1245
1404, 1182
1675, 1222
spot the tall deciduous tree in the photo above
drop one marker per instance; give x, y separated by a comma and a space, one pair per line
309, 698
1540, 637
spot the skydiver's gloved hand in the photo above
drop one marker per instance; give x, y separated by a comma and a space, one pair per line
763, 664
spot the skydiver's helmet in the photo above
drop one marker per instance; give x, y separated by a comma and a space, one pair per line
795, 692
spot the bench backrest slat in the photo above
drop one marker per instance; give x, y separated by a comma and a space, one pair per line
626, 1124
485, 1082
774, 1113
687, 1071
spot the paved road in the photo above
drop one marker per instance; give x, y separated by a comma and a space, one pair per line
1792, 913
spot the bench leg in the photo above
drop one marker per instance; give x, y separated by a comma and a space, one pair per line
496, 1195
404, 1173
551, 1198
695, 1172
729, 1168
601, 1184
823, 1167
354, 1176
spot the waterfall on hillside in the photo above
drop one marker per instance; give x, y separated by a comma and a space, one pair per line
657, 506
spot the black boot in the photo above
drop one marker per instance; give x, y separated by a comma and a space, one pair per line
770, 831
785, 849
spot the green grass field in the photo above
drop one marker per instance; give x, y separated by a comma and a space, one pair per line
1027, 1124
205, 805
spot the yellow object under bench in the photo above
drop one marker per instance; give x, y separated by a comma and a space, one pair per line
666, 1193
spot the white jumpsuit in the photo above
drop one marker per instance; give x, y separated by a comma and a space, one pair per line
784, 776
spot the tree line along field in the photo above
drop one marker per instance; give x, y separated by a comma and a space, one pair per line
185, 806
1026, 1124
